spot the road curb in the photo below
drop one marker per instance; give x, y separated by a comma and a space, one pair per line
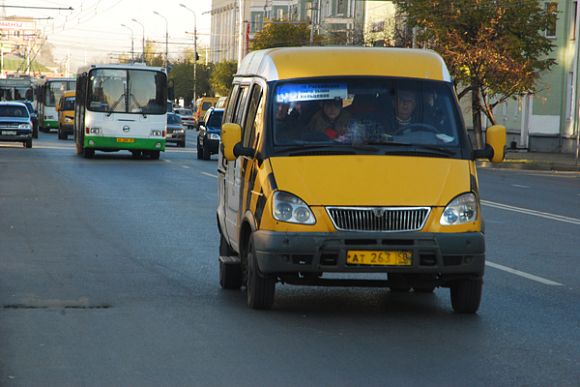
529, 165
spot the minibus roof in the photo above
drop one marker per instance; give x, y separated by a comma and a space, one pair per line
304, 62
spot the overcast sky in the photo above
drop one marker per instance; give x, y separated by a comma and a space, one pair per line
92, 30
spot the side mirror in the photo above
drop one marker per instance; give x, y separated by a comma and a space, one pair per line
495, 139
201, 123
231, 136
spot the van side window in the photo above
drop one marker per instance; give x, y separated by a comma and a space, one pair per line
229, 113
240, 105
249, 128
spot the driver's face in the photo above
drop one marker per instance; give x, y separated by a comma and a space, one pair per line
405, 105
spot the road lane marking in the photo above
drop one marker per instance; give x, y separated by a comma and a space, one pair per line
520, 186
546, 215
185, 166
523, 274
209, 174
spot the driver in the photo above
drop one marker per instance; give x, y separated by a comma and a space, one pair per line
404, 108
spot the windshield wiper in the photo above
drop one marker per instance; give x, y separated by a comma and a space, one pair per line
115, 105
139, 106
296, 150
421, 148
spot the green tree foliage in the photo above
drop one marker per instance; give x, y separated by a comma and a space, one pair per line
182, 78
222, 77
152, 58
495, 49
281, 34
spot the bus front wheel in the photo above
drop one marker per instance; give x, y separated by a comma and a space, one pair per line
88, 153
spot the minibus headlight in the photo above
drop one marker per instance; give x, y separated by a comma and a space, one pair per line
462, 209
289, 208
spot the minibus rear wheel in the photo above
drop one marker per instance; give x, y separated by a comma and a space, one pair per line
466, 295
260, 288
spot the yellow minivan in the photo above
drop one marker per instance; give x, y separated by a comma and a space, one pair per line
66, 114
201, 107
354, 161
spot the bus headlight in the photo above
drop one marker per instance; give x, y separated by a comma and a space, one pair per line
289, 208
156, 133
462, 209
95, 130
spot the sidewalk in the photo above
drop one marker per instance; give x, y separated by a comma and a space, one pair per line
535, 161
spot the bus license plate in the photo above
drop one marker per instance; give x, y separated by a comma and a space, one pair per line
125, 140
379, 258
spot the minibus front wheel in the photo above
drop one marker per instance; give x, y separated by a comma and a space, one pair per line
466, 295
260, 288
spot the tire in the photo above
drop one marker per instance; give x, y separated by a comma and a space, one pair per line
466, 295
260, 288
60, 136
206, 153
27, 143
35, 132
154, 155
136, 154
230, 275
88, 153
199, 155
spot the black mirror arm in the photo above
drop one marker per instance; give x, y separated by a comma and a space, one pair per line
240, 150
485, 153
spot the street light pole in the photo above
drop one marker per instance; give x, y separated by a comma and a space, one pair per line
166, 37
132, 46
143, 41
194, 51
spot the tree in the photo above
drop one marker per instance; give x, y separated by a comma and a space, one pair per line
281, 34
495, 49
151, 59
222, 77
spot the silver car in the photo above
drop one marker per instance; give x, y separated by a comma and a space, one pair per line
15, 123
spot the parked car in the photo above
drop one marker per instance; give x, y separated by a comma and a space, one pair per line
175, 132
208, 137
33, 117
186, 117
15, 123
66, 114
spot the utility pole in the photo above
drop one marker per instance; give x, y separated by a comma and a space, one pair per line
314, 15
166, 38
132, 46
242, 8
194, 52
143, 41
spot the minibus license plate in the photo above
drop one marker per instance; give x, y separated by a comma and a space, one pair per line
379, 257
125, 140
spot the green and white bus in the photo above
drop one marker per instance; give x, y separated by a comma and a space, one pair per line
48, 93
121, 107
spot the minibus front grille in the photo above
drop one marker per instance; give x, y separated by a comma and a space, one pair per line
379, 219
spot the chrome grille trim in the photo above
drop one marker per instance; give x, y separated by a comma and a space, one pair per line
378, 219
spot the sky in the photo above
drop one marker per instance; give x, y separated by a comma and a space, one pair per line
92, 31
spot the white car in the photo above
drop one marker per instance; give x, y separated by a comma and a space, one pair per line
186, 117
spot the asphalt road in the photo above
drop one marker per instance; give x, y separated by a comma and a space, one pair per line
108, 276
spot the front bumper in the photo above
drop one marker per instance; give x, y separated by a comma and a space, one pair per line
16, 135
175, 137
67, 128
114, 143
433, 253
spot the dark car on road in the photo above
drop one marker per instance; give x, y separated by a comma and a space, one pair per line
15, 123
208, 137
33, 117
175, 132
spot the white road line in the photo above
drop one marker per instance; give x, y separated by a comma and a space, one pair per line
523, 274
185, 166
208, 174
545, 215
520, 186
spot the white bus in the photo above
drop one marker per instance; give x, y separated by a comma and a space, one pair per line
121, 107
48, 93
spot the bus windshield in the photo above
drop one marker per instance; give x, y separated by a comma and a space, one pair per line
127, 91
55, 90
